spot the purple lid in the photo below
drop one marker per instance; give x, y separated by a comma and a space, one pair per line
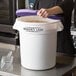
55, 17
26, 12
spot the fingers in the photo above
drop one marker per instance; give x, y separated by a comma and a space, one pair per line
42, 12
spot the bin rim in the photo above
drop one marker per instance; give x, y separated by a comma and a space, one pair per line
47, 20
24, 23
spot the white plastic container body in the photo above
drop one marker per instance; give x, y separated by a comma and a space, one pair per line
38, 43
38, 51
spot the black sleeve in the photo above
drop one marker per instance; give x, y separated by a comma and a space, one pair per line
67, 6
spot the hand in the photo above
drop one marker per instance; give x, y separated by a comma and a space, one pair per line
43, 12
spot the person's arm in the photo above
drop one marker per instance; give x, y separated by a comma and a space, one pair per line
48, 12
65, 7
55, 10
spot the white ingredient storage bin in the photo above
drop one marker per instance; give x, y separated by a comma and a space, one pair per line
38, 41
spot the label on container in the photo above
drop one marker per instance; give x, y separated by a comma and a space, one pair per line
33, 29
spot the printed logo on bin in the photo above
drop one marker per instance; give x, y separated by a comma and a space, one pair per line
33, 29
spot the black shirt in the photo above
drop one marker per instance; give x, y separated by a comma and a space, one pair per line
67, 7
65, 41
